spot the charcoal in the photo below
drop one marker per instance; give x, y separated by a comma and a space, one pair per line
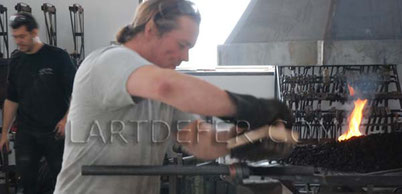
359, 154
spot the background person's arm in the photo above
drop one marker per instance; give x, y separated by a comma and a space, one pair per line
9, 111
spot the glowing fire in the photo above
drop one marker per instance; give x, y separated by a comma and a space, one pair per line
351, 90
354, 121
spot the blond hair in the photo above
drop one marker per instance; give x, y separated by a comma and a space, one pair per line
163, 13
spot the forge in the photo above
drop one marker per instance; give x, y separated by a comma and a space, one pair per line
348, 118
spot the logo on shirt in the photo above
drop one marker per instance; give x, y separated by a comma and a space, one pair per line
46, 71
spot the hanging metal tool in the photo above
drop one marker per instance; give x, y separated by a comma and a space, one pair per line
77, 27
49, 12
23, 7
4, 49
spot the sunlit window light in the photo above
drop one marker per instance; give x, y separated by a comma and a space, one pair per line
219, 17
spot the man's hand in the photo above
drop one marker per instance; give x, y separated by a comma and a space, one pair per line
4, 142
269, 142
60, 127
203, 141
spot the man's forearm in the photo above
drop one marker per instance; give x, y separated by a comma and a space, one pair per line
65, 115
198, 96
9, 112
186, 93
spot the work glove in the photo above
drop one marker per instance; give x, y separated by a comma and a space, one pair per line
255, 112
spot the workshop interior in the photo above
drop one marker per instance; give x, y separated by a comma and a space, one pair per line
337, 64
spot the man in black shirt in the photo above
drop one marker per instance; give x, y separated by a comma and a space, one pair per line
38, 95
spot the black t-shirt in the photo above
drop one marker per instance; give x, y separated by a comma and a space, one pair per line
41, 84
3, 79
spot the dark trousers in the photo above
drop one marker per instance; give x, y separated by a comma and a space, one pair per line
30, 148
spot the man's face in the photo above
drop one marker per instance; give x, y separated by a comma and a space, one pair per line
170, 49
24, 39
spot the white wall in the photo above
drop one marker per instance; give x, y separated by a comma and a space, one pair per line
103, 19
257, 85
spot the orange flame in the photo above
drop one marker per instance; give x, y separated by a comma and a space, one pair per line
354, 121
351, 90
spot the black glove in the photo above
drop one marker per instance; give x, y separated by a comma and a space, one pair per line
262, 150
255, 112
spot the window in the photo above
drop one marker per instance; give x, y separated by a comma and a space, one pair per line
218, 18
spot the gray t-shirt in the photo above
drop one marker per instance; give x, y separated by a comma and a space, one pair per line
106, 127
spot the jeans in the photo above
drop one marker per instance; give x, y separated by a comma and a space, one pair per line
30, 148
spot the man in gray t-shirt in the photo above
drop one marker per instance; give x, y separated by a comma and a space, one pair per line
125, 99
107, 127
